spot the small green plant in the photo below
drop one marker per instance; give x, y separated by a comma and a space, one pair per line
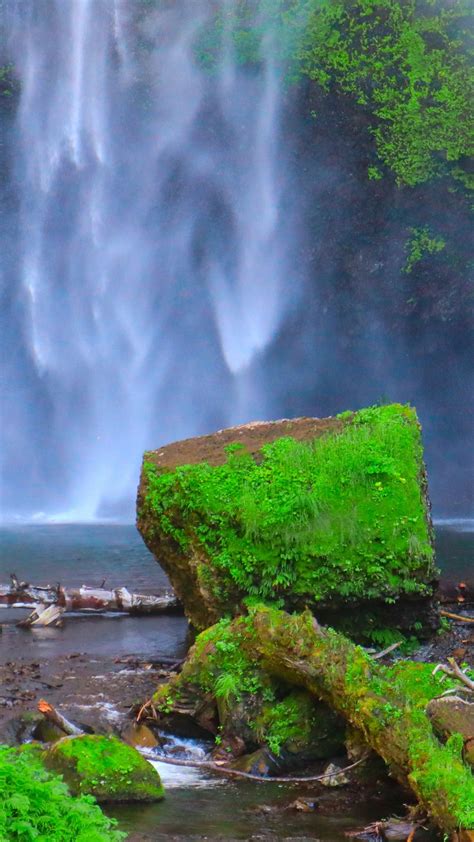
37, 805
421, 243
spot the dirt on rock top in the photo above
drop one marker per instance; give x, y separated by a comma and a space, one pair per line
253, 436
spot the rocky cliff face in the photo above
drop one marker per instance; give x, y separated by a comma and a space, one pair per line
306, 512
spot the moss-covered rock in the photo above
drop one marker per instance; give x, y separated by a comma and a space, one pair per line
225, 690
309, 512
270, 650
104, 767
36, 804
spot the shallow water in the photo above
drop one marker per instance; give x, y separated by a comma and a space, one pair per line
77, 554
197, 806
455, 549
234, 810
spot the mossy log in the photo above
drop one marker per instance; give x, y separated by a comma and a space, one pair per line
386, 705
328, 513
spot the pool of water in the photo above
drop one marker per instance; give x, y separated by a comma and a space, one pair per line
197, 806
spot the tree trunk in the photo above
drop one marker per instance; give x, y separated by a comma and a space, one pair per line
23, 595
386, 711
329, 665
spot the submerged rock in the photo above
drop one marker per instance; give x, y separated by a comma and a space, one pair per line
104, 767
261, 763
139, 735
337, 776
330, 513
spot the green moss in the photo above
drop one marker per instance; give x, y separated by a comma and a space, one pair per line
416, 679
275, 650
220, 666
287, 722
300, 725
407, 64
341, 517
36, 804
106, 768
398, 697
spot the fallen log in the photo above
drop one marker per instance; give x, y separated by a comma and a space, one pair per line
460, 618
384, 709
85, 599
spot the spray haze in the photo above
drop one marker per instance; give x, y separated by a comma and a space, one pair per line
151, 257
190, 242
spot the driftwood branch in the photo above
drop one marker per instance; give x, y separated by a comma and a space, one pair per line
84, 599
458, 617
455, 671
226, 770
387, 651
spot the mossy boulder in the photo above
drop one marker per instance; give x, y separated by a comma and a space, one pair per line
270, 650
36, 804
225, 690
308, 512
104, 767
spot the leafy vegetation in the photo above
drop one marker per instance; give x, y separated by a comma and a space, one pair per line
339, 517
421, 243
36, 804
9, 85
407, 64
271, 650
222, 665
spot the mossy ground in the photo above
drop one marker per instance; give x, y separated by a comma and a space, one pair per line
35, 804
339, 518
106, 768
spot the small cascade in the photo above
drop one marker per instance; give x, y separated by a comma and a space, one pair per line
182, 748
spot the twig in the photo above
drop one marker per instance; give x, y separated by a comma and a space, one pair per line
455, 672
147, 705
207, 764
387, 650
458, 617
459, 673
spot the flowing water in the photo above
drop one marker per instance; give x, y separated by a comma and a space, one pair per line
150, 240
146, 275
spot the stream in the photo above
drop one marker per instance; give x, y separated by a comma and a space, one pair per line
199, 805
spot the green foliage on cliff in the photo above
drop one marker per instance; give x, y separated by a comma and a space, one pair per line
339, 517
37, 805
421, 243
9, 85
407, 63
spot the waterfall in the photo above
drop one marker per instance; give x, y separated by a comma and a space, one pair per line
152, 209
